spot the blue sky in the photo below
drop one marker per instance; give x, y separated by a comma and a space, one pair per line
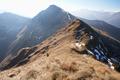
30, 8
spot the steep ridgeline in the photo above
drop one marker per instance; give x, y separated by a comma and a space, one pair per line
10, 25
66, 55
40, 27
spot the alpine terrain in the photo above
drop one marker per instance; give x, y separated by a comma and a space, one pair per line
55, 45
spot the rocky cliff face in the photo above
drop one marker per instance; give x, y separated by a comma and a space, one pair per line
73, 53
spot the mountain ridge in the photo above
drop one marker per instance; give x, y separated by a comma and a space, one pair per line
57, 55
39, 28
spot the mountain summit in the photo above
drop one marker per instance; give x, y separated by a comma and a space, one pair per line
39, 28
54, 7
42, 26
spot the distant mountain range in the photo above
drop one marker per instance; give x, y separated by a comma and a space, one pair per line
10, 25
112, 18
103, 26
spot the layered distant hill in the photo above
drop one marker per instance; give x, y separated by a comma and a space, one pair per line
115, 19
10, 25
106, 28
112, 18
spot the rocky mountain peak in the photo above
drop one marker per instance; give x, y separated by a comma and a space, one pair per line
54, 7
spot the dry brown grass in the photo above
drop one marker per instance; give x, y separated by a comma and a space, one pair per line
61, 64
72, 67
